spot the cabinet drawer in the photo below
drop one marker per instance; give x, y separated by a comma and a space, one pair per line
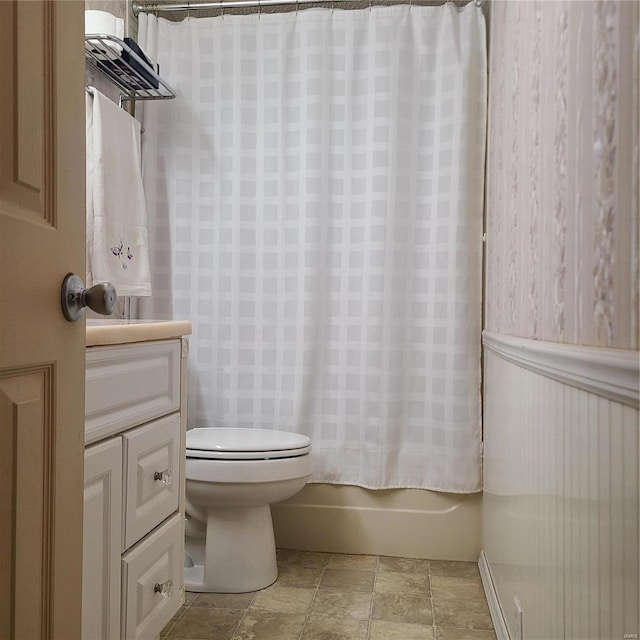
152, 465
129, 385
145, 569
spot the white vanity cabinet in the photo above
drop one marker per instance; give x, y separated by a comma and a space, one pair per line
102, 540
134, 488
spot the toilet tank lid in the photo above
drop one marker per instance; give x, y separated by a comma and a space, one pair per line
244, 439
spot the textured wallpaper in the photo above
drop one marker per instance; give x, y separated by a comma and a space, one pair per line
562, 199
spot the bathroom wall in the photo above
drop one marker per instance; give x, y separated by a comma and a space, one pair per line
562, 249
561, 501
561, 508
125, 307
93, 78
116, 7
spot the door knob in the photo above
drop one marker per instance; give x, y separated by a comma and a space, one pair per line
101, 298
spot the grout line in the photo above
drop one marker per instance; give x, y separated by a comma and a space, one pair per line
315, 593
168, 633
433, 609
247, 608
242, 617
373, 595
175, 622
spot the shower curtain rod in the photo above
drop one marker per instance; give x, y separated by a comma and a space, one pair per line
161, 7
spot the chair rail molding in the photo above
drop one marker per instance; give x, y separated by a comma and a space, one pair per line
610, 373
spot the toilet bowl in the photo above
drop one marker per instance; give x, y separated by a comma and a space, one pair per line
232, 476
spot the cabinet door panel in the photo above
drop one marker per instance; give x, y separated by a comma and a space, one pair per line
102, 540
152, 581
152, 454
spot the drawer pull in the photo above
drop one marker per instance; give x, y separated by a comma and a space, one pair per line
164, 588
163, 476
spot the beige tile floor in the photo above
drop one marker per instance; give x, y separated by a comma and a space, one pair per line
325, 596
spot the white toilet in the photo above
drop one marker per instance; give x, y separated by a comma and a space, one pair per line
233, 475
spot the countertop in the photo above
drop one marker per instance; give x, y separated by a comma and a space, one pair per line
104, 332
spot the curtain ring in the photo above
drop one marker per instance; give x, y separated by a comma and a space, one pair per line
370, 5
221, 7
259, 9
188, 9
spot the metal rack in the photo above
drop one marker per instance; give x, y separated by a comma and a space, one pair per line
128, 70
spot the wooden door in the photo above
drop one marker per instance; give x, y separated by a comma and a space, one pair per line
42, 237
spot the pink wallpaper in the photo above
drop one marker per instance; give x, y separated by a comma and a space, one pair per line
562, 176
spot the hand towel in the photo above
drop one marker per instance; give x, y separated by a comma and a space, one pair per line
117, 245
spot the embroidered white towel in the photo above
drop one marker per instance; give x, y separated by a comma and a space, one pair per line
117, 245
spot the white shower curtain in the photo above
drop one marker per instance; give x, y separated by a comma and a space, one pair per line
316, 200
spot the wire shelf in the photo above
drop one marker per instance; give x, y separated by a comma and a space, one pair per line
129, 70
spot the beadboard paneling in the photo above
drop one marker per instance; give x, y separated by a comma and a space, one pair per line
561, 505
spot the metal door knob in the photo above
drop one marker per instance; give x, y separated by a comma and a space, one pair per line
101, 298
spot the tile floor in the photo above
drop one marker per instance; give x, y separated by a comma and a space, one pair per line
325, 596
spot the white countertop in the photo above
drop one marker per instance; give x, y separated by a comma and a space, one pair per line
103, 332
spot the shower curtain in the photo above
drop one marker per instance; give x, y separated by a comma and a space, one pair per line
315, 193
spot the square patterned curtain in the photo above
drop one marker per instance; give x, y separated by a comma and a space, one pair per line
316, 199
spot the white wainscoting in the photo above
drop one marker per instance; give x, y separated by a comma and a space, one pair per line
561, 504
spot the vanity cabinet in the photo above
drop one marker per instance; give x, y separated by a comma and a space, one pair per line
134, 488
102, 543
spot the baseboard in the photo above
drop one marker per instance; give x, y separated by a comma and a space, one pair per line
403, 523
497, 617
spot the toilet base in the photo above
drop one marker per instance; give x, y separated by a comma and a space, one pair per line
193, 581
240, 552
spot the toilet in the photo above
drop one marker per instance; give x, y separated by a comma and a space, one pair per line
232, 476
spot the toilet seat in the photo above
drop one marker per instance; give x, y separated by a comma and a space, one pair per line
222, 443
